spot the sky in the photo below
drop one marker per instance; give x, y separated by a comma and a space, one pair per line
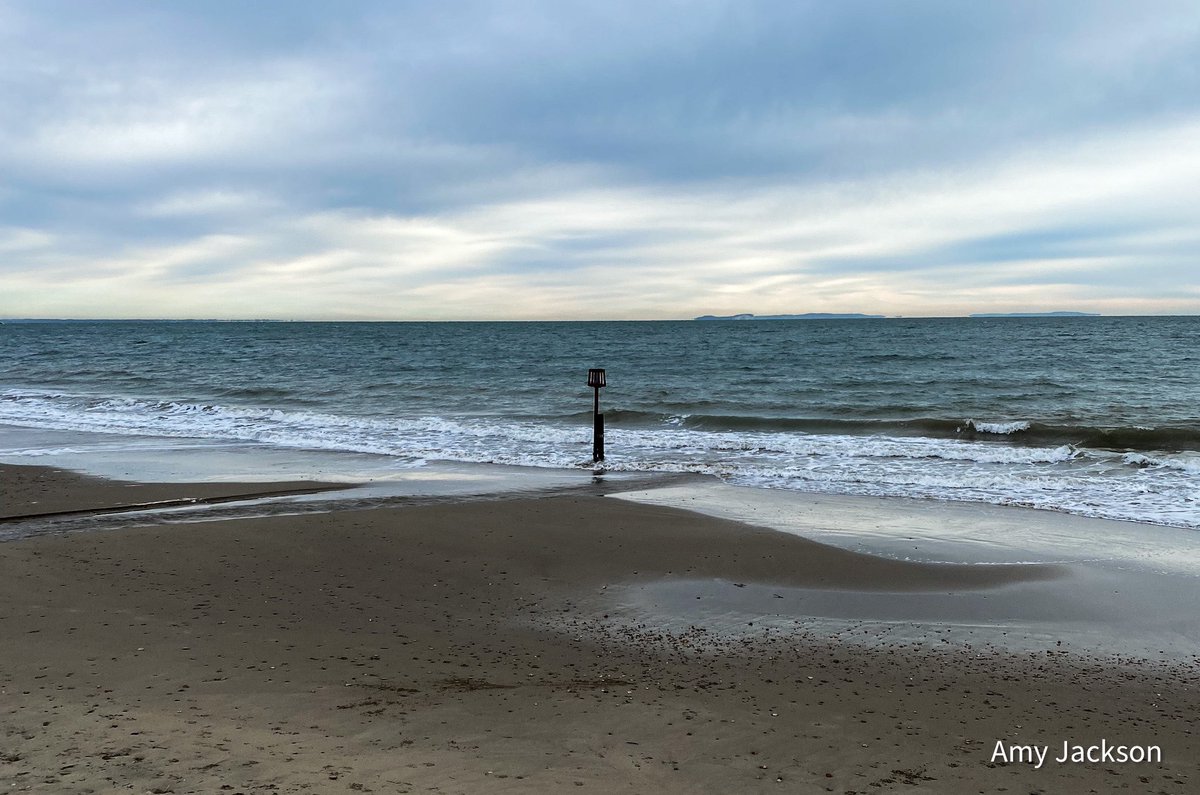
616, 160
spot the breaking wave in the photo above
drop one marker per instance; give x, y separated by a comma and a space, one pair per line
1026, 432
1003, 462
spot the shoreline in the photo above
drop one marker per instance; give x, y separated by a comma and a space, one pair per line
481, 646
198, 456
208, 462
41, 492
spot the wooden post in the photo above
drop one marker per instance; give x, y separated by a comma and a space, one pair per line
596, 379
597, 437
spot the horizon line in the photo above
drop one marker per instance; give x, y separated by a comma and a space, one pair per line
710, 318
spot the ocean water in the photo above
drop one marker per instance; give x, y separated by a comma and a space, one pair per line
1096, 416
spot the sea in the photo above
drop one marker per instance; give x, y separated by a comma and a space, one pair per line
1096, 416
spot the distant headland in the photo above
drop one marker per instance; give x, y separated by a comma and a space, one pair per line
806, 316
861, 316
1036, 314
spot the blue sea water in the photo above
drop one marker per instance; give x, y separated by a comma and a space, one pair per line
1097, 416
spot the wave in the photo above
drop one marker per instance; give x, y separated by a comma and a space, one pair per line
1140, 461
1026, 432
490, 438
1000, 428
988, 463
171, 418
1171, 439
417, 436
669, 443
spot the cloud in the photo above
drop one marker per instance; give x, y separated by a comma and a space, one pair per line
208, 203
17, 240
531, 160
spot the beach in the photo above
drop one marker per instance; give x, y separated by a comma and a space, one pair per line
475, 645
651, 398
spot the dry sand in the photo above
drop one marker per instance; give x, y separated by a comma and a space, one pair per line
464, 647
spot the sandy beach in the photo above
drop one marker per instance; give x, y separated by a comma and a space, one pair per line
619, 398
467, 646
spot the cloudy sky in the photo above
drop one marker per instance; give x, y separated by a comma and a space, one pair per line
530, 160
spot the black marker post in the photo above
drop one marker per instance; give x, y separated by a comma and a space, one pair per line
595, 381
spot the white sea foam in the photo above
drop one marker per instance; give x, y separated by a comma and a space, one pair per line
1161, 489
999, 427
38, 452
1184, 462
1140, 460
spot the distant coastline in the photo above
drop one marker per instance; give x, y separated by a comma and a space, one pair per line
861, 316
1035, 314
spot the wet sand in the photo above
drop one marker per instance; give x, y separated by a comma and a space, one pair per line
28, 491
475, 646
